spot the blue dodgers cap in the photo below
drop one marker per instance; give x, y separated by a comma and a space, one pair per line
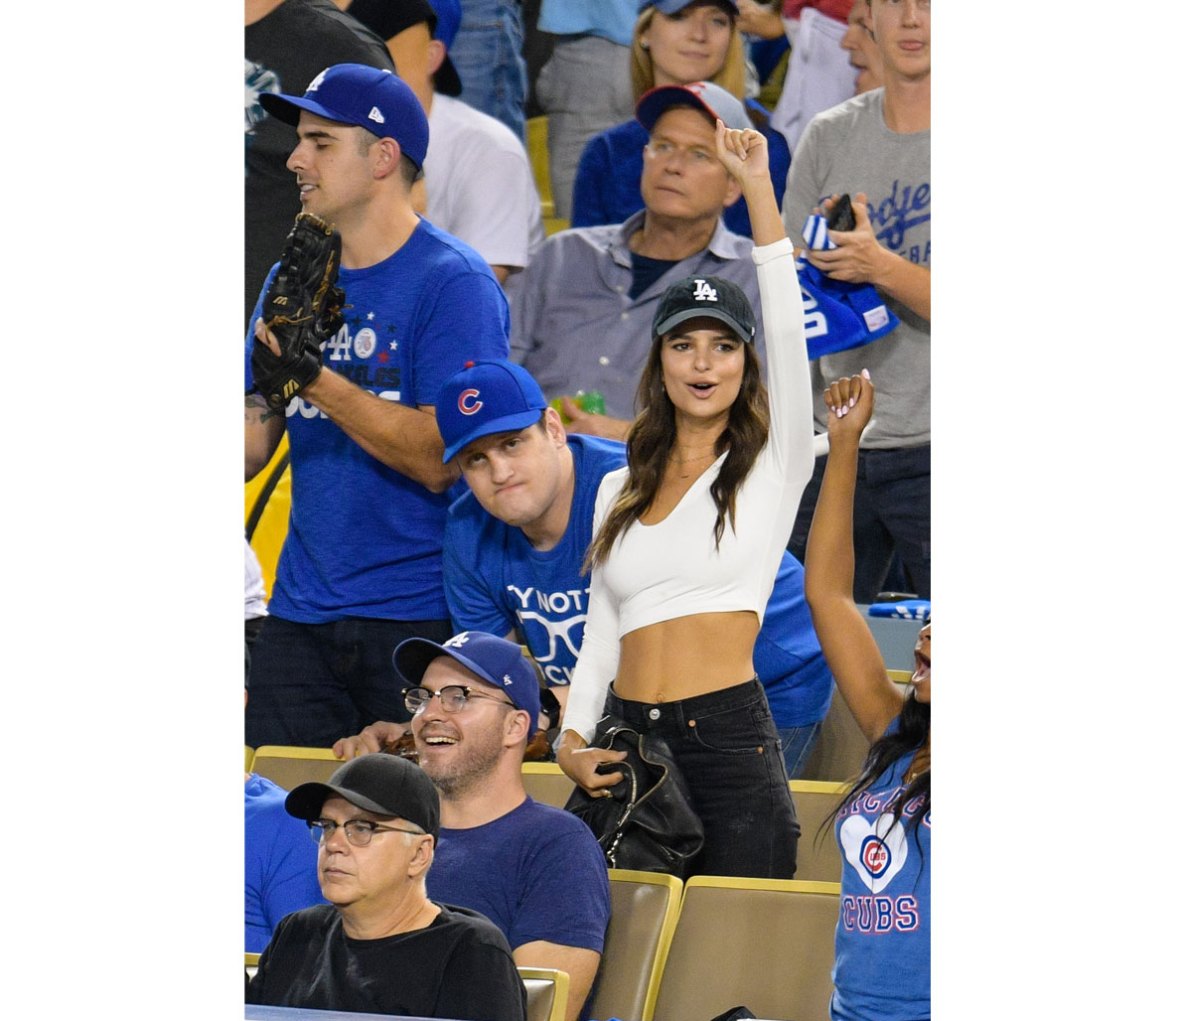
379, 783
712, 100
496, 660
672, 6
484, 398
367, 97
447, 16
710, 297
838, 316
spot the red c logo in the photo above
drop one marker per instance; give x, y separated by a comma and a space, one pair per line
469, 402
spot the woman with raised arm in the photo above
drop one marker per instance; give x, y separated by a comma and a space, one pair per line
882, 968
688, 539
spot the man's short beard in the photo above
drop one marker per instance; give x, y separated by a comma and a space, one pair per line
470, 773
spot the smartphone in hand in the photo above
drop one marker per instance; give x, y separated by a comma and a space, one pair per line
841, 216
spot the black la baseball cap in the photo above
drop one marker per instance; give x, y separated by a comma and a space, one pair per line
379, 783
711, 297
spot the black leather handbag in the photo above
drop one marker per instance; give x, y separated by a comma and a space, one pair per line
648, 823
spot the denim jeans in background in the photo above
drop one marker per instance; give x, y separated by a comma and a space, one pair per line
797, 745
488, 54
891, 517
726, 745
311, 684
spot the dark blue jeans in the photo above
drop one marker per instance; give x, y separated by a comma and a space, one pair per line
311, 684
891, 515
726, 745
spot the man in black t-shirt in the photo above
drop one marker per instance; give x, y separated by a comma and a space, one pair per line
379, 945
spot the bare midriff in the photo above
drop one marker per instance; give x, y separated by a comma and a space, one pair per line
687, 656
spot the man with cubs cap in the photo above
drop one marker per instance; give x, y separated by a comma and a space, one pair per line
515, 544
380, 945
361, 566
536, 871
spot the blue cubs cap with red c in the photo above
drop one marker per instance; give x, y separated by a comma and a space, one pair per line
367, 97
484, 398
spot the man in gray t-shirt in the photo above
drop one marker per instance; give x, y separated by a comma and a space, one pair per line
876, 147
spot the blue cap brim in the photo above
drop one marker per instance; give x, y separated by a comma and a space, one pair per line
509, 423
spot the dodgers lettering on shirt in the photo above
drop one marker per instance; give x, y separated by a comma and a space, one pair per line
903, 209
364, 540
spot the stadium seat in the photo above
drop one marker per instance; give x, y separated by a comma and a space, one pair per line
548, 990
546, 783
252, 964
644, 906
249, 758
840, 748
289, 766
817, 857
766, 944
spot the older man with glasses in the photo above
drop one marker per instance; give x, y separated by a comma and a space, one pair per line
537, 872
380, 945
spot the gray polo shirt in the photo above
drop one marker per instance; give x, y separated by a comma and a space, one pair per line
574, 326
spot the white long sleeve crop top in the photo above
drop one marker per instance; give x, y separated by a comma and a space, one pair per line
674, 569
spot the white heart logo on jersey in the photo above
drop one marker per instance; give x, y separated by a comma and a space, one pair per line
876, 860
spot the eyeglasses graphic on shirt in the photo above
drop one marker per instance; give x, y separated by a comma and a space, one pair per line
358, 832
452, 698
555, 630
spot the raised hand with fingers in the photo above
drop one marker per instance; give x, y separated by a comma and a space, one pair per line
743, 152
850, 406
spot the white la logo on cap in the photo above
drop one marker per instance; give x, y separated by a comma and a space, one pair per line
458, 641
318, 80
507, 679
375, 115
704, 292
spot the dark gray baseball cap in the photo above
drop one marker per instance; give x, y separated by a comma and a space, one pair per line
379, 783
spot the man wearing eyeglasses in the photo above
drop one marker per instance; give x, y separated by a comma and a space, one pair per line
537, 872
380, 945
582, 310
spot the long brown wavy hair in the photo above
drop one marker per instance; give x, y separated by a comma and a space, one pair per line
731, 76
649, 449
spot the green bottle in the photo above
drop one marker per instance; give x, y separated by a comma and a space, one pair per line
590, 401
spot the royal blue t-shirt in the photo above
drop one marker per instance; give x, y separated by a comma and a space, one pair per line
364, 540
280, 862
496, 581
537, 873
882, 969
787, 656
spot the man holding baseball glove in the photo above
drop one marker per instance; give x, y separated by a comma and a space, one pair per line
367, 311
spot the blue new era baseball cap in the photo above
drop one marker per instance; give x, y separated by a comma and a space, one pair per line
496, 660
484, 398
367, 97
712, 100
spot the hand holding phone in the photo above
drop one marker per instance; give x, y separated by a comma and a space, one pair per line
841, 216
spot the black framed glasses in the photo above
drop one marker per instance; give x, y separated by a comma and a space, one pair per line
358, 832
452, 698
